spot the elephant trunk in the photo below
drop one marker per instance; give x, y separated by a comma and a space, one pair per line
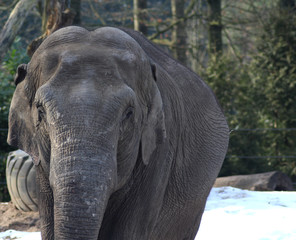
82, 184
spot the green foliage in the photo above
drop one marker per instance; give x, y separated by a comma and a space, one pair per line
15, 56
275, 79
258, 98
274, 72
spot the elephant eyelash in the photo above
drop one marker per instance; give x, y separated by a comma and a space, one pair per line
41, 113
128, 113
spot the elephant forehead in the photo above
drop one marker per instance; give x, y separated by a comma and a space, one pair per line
79, 59
96, 55
73, 45
107, 36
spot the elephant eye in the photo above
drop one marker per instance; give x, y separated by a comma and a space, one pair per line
129, 112
41, 112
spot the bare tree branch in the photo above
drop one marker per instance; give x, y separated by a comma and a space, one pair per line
188, 14
96, 13
169, 27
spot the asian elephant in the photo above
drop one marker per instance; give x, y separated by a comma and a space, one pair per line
127, 142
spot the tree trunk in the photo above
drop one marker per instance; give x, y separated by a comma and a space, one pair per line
287, 4
14, 24
56, 15
179, 31
76, 6
140, 16
269, 181
48, 6
215, 27
197, 38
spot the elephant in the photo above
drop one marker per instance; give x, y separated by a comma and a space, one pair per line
126, 141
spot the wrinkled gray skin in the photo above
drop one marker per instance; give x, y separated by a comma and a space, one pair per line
126, 141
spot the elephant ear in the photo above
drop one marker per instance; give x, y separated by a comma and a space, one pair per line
154, 132
21, 124
20, 74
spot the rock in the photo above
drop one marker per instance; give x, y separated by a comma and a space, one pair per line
269, 181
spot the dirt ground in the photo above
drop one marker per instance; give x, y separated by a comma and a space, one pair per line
12, 218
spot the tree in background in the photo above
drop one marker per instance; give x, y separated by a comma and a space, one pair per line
215, 26
14, 24
55, 15
286, 4
197, 38
274, 70
76, 6
179, 35
140, 16
248, 81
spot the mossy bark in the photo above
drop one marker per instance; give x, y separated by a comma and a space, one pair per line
215, 27
179, 31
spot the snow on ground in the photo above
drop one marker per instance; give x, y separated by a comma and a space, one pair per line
247, 215
12, 234
233, 214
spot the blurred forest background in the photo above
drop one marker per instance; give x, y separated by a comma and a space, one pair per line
244, 49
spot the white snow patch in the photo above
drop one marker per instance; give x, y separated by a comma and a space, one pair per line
12, 234
247, 215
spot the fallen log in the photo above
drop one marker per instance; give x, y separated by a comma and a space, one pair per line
268, 181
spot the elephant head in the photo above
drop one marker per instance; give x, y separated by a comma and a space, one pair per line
86, 108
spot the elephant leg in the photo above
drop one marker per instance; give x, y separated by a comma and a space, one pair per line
45, 205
